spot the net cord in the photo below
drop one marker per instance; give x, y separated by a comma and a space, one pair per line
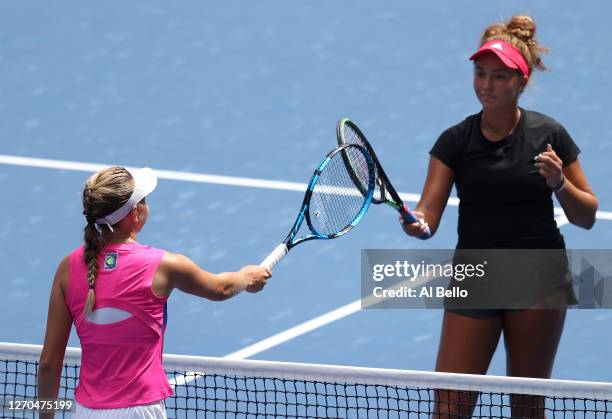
346, 374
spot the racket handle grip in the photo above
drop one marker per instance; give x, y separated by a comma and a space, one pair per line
273, 258
409, 218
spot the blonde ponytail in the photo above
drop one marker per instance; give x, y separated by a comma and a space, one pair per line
94, 243
104, 193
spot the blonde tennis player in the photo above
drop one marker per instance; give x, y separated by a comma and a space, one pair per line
115, 291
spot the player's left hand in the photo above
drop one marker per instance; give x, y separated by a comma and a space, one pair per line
550, 166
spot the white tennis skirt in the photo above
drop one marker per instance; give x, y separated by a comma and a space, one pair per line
147, 411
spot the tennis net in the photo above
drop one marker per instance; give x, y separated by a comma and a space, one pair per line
214, 387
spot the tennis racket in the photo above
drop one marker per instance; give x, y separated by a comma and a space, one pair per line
348, 133
332, 205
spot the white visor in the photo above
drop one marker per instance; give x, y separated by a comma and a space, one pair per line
145, 181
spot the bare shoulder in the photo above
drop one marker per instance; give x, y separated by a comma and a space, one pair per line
62, 274
173, 263
173, 270
175, 266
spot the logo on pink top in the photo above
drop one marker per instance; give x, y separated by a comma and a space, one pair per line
110, 261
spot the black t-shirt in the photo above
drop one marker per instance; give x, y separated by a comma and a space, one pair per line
504, 201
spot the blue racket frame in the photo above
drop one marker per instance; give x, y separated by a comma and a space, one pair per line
289, 242
281, 250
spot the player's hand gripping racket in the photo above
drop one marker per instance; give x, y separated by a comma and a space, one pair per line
348, 133
333, 204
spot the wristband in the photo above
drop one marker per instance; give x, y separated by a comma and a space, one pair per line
561, 185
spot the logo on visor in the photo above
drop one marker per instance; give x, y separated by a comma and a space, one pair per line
497, 45
110, 261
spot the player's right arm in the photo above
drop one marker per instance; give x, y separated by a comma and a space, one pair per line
59, 323
180, 272
434, 197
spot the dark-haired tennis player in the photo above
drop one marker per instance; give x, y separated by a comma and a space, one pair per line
115, 290
506, 163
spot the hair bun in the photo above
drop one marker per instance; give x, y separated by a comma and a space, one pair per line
522, 26
519, 31
493, 31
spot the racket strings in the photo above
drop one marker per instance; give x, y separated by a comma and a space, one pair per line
353, 137
336, 202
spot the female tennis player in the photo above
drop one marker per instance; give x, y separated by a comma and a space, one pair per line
506, 163
115, 290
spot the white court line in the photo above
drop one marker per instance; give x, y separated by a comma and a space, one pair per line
162, 174
288, 334
213, 179
295, 331
322, 320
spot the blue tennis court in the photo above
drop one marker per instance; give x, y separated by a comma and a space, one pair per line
226, 97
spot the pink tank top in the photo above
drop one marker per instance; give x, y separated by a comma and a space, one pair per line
121, 362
